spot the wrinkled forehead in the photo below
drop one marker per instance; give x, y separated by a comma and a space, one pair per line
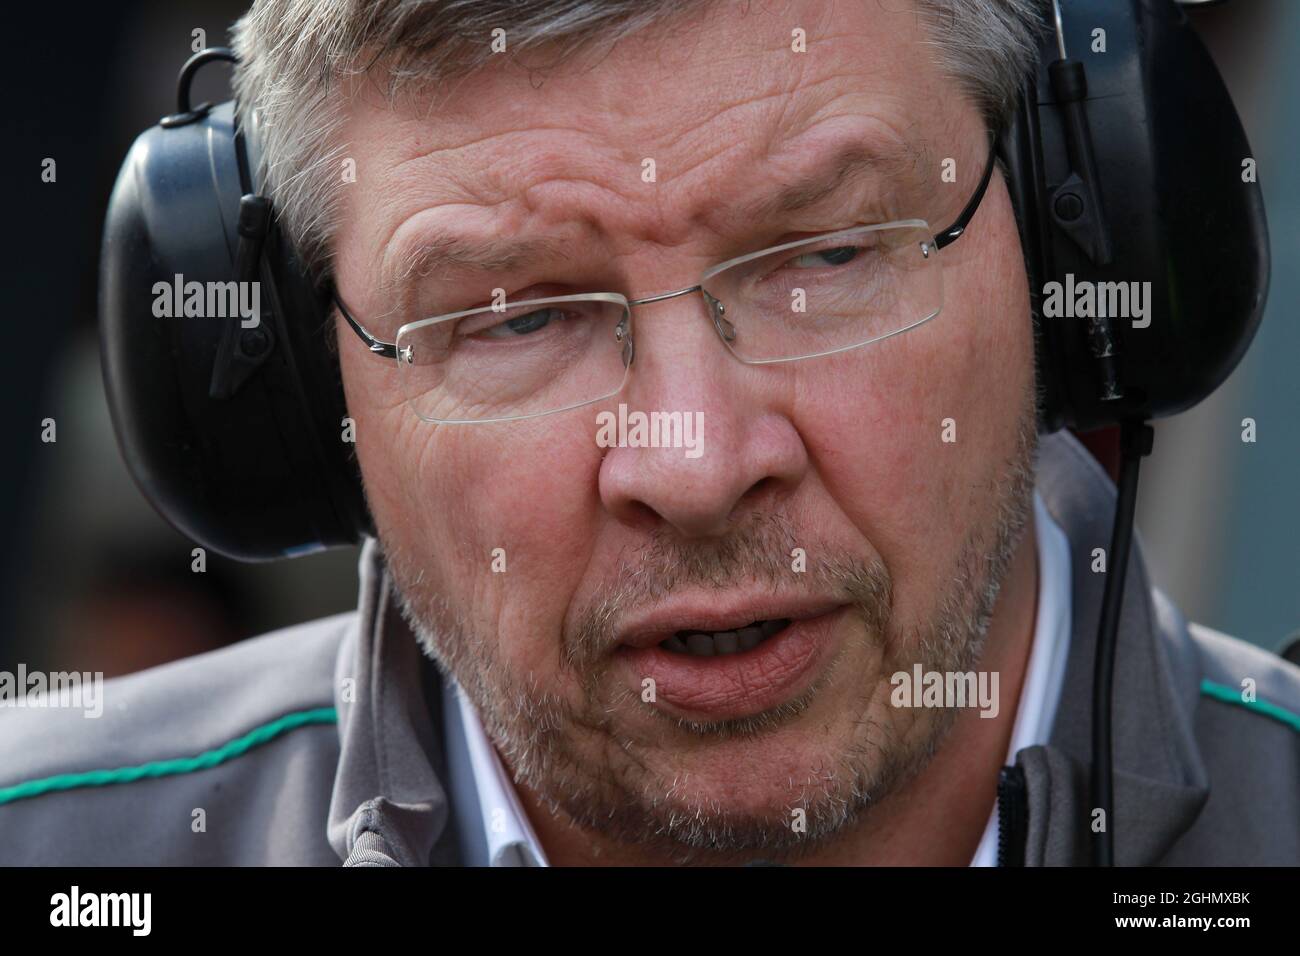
722, 73
708, 120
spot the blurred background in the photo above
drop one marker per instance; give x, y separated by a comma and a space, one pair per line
92, 579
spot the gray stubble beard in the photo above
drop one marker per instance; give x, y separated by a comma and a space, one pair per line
623, 797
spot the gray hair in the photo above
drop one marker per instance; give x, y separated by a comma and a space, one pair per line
292, 54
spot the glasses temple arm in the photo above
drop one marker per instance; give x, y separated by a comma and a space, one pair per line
953, 232
383, 349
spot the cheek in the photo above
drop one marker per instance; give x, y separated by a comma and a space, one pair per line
498, 517
875, 426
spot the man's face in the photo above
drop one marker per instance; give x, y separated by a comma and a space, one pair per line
827, 501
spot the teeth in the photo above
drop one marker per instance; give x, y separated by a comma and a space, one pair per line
701, 645
723, 643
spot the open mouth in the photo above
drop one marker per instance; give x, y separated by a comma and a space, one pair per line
723, 643
739, 670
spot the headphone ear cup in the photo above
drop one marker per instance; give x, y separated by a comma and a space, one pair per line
1216, 259
233, 433
1185, 231
305, 320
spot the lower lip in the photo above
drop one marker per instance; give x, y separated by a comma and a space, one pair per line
736, 685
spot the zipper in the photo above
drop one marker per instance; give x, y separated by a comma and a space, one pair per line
1013, 817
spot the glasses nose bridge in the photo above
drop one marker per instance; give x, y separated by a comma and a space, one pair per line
647, 300
715, 307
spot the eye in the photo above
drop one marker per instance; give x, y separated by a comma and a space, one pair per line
522, 325
840, 255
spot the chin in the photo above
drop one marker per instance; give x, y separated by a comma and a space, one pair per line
767, 775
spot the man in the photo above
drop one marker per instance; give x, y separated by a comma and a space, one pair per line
809, 619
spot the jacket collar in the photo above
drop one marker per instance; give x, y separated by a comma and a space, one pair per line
1161, 783
389, 807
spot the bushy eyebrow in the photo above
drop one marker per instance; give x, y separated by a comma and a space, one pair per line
853, 162
486, 254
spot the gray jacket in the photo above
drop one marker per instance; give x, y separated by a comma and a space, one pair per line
322, 744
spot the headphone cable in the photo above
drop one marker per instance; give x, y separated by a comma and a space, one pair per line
1136, 437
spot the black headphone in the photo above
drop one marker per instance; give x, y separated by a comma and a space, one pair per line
1123, 165
234, 434
1125, 161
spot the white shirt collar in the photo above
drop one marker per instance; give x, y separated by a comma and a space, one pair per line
509, 835
511, 841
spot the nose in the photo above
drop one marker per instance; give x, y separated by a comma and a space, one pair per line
750, 454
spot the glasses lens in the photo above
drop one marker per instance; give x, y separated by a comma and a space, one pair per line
530, 358
826, 294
